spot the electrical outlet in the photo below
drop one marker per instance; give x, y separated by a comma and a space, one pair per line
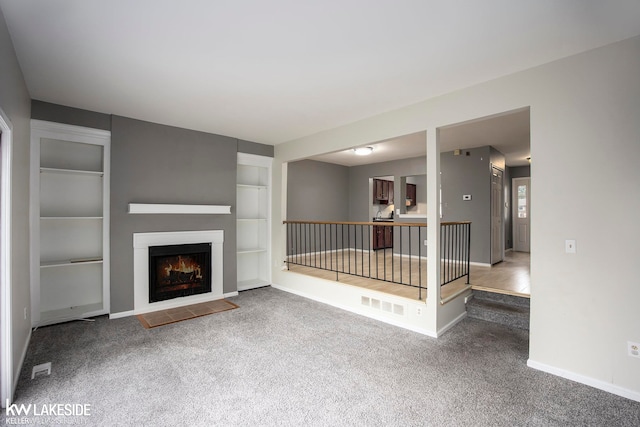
570, 246
419, 311
634, 349
25, 313
425, 242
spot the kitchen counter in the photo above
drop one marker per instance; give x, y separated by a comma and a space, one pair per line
382, 219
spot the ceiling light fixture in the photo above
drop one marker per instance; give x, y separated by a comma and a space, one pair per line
363, 151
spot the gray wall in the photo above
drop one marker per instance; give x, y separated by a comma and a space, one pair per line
15, 103
255, 148
317, 191
152, 163
314, 191
72, 116
469, 175
144, 159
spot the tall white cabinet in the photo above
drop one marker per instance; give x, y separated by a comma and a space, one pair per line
253, 216
69, 222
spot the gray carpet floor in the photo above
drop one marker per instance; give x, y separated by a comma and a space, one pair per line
284, 360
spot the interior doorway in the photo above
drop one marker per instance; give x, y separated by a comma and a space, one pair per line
497, 225
521, 214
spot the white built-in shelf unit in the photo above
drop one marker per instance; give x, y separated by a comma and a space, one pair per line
253, 219
69, 222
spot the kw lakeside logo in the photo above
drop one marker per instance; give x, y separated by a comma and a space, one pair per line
48, 409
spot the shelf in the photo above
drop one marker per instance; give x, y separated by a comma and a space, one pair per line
74, 262
70, 171
251, 186
70, 313
250, 250
160, 208
69, 217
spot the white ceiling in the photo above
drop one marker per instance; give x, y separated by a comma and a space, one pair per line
509, 133
283, 69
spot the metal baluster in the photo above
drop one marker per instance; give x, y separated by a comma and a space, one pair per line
468, 252
410, 261
420, 263
392, 260
349, 246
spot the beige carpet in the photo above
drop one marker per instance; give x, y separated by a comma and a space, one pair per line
173, 315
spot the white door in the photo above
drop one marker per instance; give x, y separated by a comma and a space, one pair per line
521, 202
497, 236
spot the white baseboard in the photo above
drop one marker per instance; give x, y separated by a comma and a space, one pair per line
480, 264
16, 375
120, 314
451, 324
592, 382
359, 312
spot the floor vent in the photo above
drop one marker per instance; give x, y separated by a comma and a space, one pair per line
398, 309
387, 306
42, 369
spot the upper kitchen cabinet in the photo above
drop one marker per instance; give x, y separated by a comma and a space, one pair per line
382, 191
411, 195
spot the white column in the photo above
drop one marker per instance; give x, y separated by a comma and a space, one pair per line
433, 225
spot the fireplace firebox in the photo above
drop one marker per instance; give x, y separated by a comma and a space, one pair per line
179, 270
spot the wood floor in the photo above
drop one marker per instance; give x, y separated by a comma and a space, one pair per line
510, 276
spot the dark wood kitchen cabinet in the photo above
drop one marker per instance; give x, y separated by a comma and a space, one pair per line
382, 191
411, 195
382, 237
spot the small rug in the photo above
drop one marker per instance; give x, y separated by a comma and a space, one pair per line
173, 315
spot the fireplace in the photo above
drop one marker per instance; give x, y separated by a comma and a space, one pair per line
179, 270
142, 267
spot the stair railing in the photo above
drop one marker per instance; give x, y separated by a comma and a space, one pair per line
389, 251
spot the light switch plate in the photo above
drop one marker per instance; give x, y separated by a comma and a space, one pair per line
466, 197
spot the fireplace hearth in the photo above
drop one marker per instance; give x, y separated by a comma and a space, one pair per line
179, 270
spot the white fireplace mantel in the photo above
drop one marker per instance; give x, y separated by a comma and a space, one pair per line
161, 208
141, 244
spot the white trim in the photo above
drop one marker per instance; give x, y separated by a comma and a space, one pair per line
106, 226
255, 160
359, 312
69, 132
159, 208
480, 264
23, 355
141, 244
121, 314
450, 298
7, 379
592, 382
451, 324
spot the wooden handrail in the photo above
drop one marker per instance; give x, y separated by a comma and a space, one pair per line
380, 223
